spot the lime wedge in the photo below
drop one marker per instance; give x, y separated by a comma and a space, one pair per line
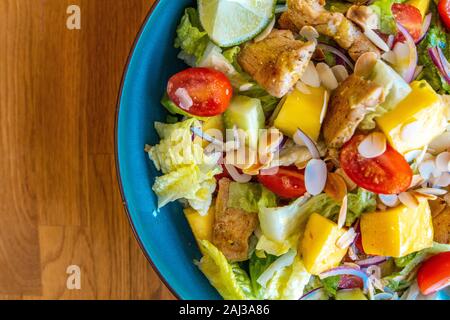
232, 22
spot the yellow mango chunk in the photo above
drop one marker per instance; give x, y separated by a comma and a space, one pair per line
398, 231
422, 5
302, 111
319, 249
201, 226
416, 120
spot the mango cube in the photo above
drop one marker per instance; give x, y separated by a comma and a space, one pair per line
319, 249
398, 231
201, 226
416, 120
422, 5
302, 111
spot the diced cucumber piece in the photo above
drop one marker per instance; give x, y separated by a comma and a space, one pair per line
246, 114
350, 294
395, 87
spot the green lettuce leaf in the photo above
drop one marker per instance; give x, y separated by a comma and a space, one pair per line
436, 36
257, 266
331, 285
232, 282
384, 11
358, 203
191, 37
248, 196
288, 283
187, 172
404, 278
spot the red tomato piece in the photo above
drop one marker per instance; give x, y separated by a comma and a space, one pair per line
410, 18
385, 174
444, 12
434, 273
350, 282
288, 182
209, 91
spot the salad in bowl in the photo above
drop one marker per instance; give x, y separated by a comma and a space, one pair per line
309, 145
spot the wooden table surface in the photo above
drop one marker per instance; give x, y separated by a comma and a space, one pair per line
60, 204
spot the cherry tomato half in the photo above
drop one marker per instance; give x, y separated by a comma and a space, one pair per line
410, 18
434, 273
288, 182
385, 174
444, 12
209, 90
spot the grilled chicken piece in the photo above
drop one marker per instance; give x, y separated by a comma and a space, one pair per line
302, 13
440, 212
277, 62
351, 101
232, 227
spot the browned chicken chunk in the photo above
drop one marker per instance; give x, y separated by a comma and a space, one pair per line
232, 227
351, 101
441, 221
277, 62
302, 13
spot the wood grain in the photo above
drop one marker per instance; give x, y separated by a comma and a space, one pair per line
60, 200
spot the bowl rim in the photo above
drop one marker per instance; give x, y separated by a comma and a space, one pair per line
116, 151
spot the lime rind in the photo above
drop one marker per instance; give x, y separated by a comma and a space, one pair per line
232, 22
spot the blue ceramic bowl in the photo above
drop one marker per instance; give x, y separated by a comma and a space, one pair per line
165, 237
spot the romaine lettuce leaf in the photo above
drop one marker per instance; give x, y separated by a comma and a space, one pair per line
402, 279
191, 37
358, 203
257, 266
187, 172
436, 36
230, 280
248, 196
288, 283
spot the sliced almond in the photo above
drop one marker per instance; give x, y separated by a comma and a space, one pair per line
311, 77
365, 64
266, 31
374, 145
340, 72
376, 39
303, 88
433, 191
416, 180
343, 212
420, 195
315, 176
443, 161
427, 168
326, 76
336, 187
389, 200
443, 180
310, 33
408, 200
323, 113
441, 143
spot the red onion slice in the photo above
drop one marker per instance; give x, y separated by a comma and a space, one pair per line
435, 57
347, 271
238, 177
371, 261
300, 138
408, 73
316, 294
336, 52
425, 26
